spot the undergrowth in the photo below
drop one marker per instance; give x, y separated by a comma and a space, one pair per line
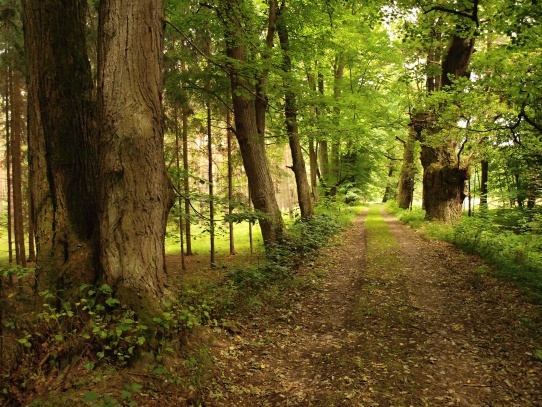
98, 332
510, 239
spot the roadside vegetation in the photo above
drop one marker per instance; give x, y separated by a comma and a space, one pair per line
92, 343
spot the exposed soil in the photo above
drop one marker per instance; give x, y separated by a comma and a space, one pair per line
431, 329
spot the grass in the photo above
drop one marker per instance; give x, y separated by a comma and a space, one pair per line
200, 239
382, 261
509, 239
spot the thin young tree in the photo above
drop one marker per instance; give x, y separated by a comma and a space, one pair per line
229, 137
290, 114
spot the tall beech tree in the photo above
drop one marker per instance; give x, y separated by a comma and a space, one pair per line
249, 113
134, 194
99, 186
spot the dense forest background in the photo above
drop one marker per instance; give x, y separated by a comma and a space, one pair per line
195, 121
355, 91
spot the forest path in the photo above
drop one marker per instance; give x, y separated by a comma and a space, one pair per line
407, 322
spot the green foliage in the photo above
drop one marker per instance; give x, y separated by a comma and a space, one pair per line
415, 217
96, 399
303, 239
509, 239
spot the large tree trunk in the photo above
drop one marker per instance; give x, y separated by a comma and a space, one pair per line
249, 135
405, 191
443, 186
61, 130
290, 113
134, 191
444, 176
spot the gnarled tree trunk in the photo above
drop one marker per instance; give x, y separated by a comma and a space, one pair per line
444, 175
61, 131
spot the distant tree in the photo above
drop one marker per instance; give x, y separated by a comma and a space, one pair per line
290, 113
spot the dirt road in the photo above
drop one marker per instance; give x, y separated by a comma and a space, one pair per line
415, 323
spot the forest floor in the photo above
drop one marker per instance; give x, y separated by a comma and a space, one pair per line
380, 317
410, 322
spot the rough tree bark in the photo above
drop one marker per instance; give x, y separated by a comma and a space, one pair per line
61, 127
290, 113
134, 192
443, 178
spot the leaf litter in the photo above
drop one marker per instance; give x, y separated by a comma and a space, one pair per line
422, 329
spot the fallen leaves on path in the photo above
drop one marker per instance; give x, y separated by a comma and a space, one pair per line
425, 330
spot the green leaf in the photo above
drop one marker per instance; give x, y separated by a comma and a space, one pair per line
91, 396
89, 366
125, 395
112, 301
25, 342
140, 340
106, 289
136, 387
538, 354
59, 337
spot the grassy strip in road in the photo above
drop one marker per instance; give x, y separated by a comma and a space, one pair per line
382, 247
383, 289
